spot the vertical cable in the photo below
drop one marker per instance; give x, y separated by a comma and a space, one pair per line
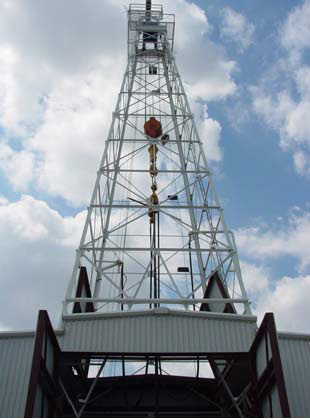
151, 266
122, 284
158, 259
154, 256
191, 271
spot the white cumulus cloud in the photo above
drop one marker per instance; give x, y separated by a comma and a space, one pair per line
289, 300
236, 28
256, 278
286, 296
290, 237
210, 134
36, 258
295, 33
282, 97
19, 166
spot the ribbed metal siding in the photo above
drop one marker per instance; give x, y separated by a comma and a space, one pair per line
148, 333
15, 364
261, 356
275, 404
295, 357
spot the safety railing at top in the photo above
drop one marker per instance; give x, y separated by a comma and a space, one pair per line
156, 10
139, 17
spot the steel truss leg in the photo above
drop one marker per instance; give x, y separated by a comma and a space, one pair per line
222, 379
185, 177
85, 402
91, 389
68, 398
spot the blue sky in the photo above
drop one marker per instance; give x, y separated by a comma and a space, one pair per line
60, 70
256, 173
259, 179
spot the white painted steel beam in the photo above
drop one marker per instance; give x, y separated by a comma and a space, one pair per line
137, 301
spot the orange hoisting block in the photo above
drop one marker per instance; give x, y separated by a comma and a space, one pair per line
152, 128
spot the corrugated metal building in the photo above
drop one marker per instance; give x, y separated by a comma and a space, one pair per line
295, 357
162, 331
16, 352
159, 330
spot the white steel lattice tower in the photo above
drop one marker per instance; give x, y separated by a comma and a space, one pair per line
155, 232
